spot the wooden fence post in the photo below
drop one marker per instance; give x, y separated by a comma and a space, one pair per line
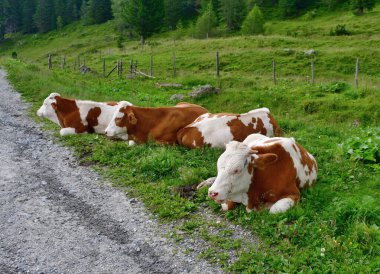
274, 71
151, 65
63, 62
50, 65
104, 67
357, 73
131, 66
312, 72
118, 68
217, 63
174, 65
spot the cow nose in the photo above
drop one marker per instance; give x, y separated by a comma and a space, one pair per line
213, 194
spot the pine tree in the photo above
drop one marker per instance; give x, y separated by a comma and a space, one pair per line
173, 12
287, 8
100, 11
44, 18
359, 5
233, 12
28, 11
207, 22
144, 16
254, 23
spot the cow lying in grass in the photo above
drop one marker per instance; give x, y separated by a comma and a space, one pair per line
161, 124
216, 130
77, 116
262, 172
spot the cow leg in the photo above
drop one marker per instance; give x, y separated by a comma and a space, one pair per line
67, 131
208, 182
283, 204
228, 205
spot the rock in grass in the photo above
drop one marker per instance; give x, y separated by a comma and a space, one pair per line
177, 97
204, 90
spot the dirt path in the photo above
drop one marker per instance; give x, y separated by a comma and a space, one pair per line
57, 217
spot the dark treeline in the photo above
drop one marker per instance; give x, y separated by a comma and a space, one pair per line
144, 17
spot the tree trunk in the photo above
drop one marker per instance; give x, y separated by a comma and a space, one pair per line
142, 40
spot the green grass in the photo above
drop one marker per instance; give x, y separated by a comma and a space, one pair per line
334, 228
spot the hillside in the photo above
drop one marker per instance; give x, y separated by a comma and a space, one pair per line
335, 227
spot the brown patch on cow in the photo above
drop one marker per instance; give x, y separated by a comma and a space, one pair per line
190, 137
240, 131
187, 105
274, 181
68, 114
92, 118
112, 104
307, 161
250, 167
158, 124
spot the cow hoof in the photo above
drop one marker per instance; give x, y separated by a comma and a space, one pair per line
67, 131
224, 207
131, 143
281, 206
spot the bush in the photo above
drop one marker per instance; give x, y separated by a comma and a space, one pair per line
339, 30
206, 23
254, 23
364, 148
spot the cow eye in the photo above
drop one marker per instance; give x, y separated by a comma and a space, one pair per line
236, 171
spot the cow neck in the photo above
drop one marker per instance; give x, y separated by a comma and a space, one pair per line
67, 112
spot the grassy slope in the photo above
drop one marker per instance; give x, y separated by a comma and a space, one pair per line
339, 214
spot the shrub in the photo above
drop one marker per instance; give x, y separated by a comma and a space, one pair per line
206, 23
254, 23
339, 30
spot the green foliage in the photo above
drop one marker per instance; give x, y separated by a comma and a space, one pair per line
233, 12
339, 30
358, 6
365, 147
206, 23
254, 23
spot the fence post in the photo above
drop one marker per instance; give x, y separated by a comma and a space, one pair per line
217, 63
151, 65
312, 72
118, 68
131, 66
104, 67
274, 71
50, 65
174, 65
63, 62
78, 61
357, 73
121, 67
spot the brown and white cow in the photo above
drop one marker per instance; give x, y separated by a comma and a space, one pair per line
77, 116
216, 130
262, 172
161, 124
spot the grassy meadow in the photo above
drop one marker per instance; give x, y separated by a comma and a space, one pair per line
334, 228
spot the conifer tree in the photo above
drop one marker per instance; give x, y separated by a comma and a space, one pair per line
233, 13
359, 5
207, 22
254, 23
28, 11
44, 18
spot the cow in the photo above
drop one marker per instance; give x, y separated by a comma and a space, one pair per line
216, 130
77, 116
262, 172
161, 124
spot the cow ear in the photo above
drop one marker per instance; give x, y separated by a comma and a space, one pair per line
132, 118
54, 106
263, 160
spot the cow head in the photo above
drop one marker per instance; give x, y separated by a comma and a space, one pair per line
48, 108
121, 120
235, 171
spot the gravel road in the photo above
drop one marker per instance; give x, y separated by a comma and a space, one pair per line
58, 217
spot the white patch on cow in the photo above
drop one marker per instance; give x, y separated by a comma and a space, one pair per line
67, 131
47, 111
281, 205
214, 130
233, 179
106, 113
112, 130
194, 143
217, 133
